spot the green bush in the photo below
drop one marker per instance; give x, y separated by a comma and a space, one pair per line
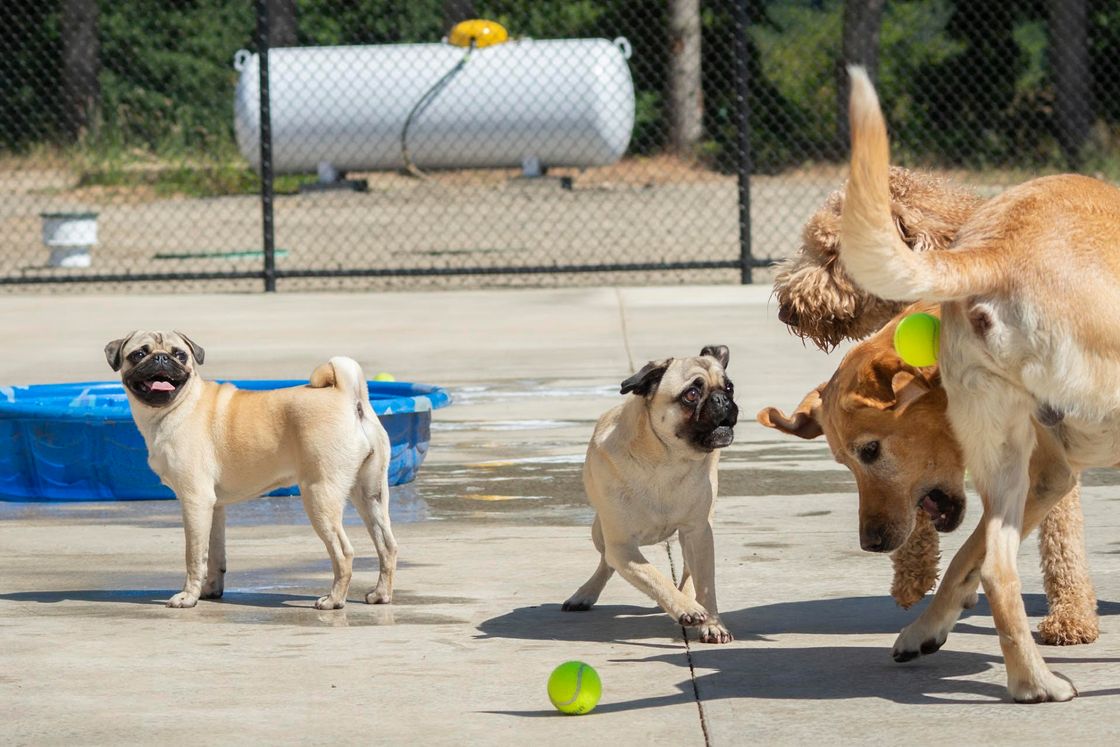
966, 83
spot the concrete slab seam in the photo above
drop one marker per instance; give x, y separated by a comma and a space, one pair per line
688, 655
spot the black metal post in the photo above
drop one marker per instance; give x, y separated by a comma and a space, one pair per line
266, 150
743, 149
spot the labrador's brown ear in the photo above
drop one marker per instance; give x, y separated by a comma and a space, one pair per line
805, 421
909, 387
889, 383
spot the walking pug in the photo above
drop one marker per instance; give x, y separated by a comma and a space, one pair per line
651, 470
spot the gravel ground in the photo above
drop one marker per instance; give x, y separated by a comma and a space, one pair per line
639, 211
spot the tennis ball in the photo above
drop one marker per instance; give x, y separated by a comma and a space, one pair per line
384, 377
917, 339
574, 687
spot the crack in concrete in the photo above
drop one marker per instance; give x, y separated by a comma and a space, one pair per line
688, 655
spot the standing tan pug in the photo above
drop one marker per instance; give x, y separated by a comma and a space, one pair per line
651, 470
214, 444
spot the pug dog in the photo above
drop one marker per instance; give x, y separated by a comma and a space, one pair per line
651, 470
214, 445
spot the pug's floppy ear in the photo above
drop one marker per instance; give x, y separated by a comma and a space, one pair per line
645, 381
719, 352
113, 352
196, 349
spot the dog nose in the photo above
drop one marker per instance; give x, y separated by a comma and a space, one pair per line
161, 358
720, 400
872, 539
787, 315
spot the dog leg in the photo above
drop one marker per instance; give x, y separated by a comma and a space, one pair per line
1065, 574
1051, 478
687, 584
698, 547
198, 514
324, 509
628, 560
371, 497
999, 452
216, 559
588, 594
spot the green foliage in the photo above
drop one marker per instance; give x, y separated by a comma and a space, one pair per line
966, 82
167, 73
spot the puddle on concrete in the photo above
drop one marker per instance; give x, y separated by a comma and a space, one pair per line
501, 425
545, 489
526, 389
292, 606
495, 471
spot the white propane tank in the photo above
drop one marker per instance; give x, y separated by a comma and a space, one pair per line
564, 102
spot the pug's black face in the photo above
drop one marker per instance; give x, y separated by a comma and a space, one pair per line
691, 400
156, 366
712, 413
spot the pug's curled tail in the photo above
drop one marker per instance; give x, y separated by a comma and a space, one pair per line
871, 249
346, 375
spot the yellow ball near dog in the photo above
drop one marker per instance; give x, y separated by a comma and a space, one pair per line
917, 339
574, 688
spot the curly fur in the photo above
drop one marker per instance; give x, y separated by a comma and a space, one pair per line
915, 563
1065, 576
820, 302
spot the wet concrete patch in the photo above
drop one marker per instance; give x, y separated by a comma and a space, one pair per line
1100, 477
252, 607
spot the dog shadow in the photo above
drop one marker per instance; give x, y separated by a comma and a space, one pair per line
839, 616
772, 672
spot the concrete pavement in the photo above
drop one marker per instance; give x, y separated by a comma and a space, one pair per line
494, 535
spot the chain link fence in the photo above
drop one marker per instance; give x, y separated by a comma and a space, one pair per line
601, 143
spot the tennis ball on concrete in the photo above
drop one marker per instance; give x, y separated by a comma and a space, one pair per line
384, 377
574, 687
917, 339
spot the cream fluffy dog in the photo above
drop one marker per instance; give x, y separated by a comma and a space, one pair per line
1030, 294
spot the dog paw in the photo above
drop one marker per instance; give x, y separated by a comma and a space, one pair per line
1050, 688
914, 641
577, 604
330, 603
1058, 629
182, 600
714, 632
213, 589
379, 596
693, 617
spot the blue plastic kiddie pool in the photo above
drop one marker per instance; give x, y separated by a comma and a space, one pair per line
77, 442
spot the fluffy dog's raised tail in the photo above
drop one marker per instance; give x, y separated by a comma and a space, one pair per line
871, 248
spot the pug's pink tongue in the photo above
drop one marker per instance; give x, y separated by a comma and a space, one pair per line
162, 386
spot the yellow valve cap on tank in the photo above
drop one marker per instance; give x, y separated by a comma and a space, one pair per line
482, 32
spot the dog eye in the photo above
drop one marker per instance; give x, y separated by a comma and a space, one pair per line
729, 387
136, 356
181, 355
869, 452
691, 395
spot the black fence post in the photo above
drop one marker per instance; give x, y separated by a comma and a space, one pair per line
266, 150
743, 149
